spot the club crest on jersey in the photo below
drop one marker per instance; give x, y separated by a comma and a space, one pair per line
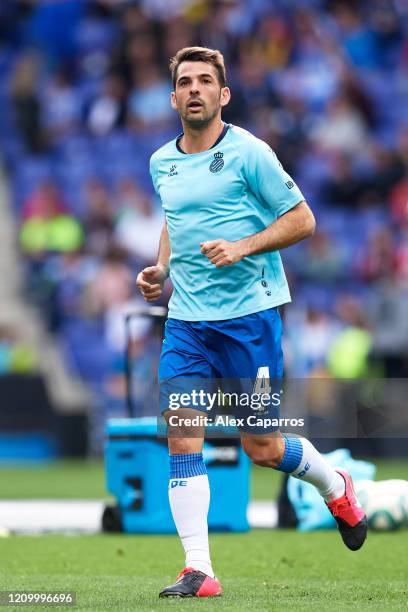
217, 163
173, 171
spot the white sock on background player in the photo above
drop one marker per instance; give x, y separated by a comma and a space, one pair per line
302, 460
189, 496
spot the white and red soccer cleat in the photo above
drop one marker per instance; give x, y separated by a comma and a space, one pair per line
349, 515
192, 583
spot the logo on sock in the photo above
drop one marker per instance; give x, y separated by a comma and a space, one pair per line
178, 483
305, 469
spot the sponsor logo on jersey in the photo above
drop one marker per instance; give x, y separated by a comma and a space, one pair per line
290, 184
172, 171
218, 163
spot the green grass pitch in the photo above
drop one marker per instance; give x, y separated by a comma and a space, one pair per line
259, 570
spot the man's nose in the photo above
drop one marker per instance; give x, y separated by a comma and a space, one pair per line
194, 89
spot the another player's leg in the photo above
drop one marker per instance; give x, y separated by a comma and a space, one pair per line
189, 496
299, 458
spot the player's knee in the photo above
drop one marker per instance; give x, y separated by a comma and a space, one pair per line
265, 452
184, 446
185, 425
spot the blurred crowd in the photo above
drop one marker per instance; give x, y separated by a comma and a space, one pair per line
84, 91
16, 355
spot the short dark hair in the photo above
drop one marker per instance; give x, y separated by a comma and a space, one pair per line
199, 54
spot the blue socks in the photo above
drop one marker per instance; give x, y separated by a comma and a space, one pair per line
292, 456
186, 466
302, 460
189, 497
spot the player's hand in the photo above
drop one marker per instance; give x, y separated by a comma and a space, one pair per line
150, 282
221, 252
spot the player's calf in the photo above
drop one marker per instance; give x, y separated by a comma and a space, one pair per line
266, 451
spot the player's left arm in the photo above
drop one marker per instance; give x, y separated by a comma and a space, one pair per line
275, 190
292, 227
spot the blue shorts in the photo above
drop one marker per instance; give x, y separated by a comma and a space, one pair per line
235, 351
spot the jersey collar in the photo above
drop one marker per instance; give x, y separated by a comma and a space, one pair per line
217, 142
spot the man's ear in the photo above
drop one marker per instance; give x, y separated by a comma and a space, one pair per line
225, 96
173, 100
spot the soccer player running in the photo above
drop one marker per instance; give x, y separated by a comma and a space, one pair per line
229, 208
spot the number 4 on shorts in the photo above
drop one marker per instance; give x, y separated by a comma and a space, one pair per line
262, 382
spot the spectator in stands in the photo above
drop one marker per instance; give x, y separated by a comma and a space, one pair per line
110, 296
45, 200
148, 105
177, 34
313, 73
47, 230
387, 169
138, 224
318, 334
402, 146
387, 315
26, 104
398, 201
401, 257
15, 356
95, 36
398, 196
107, 110
348, 356
355, 35
352, 88
99, 218
284, 127
342, 129
388, 32
379, 260
140, 50
275, 41
255, 87
344, 187
61, 106
111, 285
47, 226
323, 260
70, 274
51, 27
135, 42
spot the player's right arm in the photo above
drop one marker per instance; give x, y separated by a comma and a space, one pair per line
151, 279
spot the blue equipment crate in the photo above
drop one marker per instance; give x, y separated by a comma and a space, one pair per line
137, 474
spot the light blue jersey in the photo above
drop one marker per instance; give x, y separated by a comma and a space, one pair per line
235, 189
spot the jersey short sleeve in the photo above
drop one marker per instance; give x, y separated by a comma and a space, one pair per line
267, 179
153, 173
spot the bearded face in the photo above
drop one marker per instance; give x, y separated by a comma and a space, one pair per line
198, 95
